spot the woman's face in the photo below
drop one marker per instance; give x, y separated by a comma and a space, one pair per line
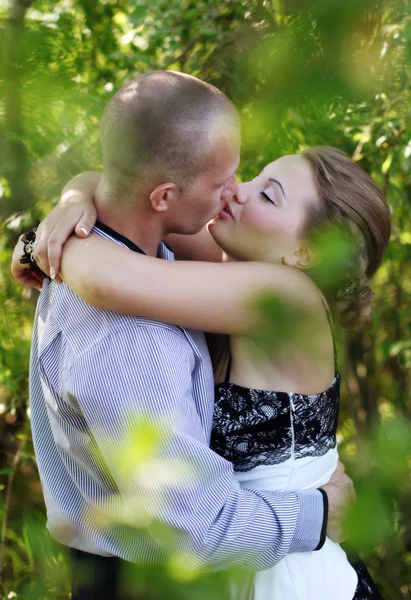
268, 225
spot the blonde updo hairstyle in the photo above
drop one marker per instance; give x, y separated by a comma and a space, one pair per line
352, 202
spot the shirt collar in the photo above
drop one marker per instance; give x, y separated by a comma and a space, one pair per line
119, 237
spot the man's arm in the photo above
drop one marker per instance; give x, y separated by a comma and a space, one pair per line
143, 391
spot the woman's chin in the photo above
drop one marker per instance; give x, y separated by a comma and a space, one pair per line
217, 222
216, 229
226, 237
243, 243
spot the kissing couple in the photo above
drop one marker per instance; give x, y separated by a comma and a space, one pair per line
246, 471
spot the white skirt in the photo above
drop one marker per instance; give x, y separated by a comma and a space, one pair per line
324, 574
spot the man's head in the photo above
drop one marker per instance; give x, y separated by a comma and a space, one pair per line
172, 140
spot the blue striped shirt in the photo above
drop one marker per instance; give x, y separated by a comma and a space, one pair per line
104, 387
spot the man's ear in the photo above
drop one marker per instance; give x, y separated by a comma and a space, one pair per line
303, 258
163, 195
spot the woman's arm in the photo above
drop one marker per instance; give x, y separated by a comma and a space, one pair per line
81, 188
206, 296
75, 212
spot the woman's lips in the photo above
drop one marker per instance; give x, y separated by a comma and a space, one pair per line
224, 215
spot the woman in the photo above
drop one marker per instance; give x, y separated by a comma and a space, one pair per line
275, 408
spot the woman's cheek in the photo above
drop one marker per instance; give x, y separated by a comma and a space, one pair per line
258, 219
268, 221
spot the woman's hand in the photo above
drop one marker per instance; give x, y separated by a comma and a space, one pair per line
75, 212
22, 272
53, 232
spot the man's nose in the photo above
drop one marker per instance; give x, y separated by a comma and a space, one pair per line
230, 189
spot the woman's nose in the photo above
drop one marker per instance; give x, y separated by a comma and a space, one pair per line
241, 196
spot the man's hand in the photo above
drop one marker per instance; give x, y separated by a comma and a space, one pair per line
340, 492
65, 218
22, 273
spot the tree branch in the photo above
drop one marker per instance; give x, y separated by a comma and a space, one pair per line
206, 23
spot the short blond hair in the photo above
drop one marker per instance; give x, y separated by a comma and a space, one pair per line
157, 126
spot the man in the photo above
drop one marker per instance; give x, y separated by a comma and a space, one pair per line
170, 151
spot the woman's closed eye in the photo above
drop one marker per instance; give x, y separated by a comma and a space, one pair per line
267, 197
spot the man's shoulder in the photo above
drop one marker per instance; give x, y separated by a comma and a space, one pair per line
84, 327
134, 348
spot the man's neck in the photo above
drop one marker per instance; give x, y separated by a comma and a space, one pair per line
141, 228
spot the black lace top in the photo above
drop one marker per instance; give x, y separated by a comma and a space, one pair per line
257, 427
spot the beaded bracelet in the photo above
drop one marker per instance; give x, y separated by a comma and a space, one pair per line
27, 257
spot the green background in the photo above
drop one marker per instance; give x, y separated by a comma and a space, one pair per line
302, 72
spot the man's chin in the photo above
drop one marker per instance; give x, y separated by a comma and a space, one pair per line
192, 230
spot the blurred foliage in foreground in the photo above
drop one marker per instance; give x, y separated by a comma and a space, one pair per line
302, 72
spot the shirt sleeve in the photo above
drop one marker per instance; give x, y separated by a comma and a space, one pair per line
138, 402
